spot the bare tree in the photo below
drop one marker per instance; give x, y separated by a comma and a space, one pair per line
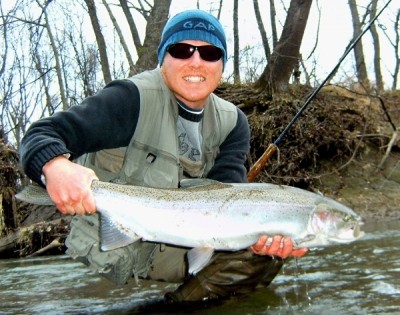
262, 30
220, 9
86, 59
377, 49
132, 26
56, 53
236, 70
121, 38
156, 21
396, 46
361, 67
272, 13
42, 70
276, 75
3, 54
155, 16
100, 40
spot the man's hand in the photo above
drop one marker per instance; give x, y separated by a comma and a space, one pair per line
277, 246
69, 186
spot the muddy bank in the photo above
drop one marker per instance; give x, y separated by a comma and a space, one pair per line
371, 191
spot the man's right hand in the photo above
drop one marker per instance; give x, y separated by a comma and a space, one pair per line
69, 186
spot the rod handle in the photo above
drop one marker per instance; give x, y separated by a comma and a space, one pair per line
259, 165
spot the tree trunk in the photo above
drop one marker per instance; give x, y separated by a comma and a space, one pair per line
220, 9
261, 27
361, 67
121, 38
276, 75
236, 70
101, 43
56, 53
3, 53
155, 23
396, 46
132, 26
377, 50
272, 14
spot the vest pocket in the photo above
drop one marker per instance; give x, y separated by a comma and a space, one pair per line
110, 160
148, 166
107, 164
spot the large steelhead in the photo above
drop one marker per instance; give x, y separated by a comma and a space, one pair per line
215, 216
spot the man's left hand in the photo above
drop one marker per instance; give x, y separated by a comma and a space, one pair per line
278, 246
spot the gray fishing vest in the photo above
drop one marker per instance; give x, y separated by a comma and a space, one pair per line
152, 156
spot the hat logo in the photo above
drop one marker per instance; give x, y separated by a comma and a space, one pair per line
191, 25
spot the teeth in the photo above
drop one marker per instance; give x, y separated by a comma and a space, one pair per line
194, 79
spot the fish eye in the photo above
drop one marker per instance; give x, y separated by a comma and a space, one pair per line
346, 218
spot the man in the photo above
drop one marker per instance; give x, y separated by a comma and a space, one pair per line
155, 129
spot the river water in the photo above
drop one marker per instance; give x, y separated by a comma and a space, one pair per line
358, 278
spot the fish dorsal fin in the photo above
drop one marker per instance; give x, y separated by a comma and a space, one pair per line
112, 236
197, 182
198, 258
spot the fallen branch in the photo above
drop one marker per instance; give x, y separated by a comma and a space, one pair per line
54, 244
24, 235
392, 142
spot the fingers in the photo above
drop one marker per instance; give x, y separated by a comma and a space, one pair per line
88, 203
78, 202
69, 186
278, 246
299, 252
259, 247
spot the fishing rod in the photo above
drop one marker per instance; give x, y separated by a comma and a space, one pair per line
258, 166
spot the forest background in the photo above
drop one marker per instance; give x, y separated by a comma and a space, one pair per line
54, 53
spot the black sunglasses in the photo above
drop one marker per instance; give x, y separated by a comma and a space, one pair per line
185, 51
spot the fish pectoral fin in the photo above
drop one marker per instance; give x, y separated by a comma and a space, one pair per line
198, 258
112, 236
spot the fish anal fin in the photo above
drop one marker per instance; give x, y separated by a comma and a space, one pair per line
198, 258
112, 236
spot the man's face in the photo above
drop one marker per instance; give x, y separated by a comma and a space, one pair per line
192, 80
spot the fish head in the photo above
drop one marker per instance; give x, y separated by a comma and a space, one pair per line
335, 223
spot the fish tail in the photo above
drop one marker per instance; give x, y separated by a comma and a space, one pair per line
36, 195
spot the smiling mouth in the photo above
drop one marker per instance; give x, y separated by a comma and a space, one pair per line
194, 79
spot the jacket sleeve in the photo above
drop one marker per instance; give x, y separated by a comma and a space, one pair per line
105, 120
229, 166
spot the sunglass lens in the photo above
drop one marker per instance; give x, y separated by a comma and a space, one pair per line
185, 51
181, 50
210, 53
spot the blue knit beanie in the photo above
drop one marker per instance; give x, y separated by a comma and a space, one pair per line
192, 25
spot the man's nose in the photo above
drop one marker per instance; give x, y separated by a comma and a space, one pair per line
195, 58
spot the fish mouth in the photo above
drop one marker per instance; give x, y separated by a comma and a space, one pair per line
357, 230
349, 234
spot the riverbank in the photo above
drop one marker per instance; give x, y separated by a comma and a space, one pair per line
372, 191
